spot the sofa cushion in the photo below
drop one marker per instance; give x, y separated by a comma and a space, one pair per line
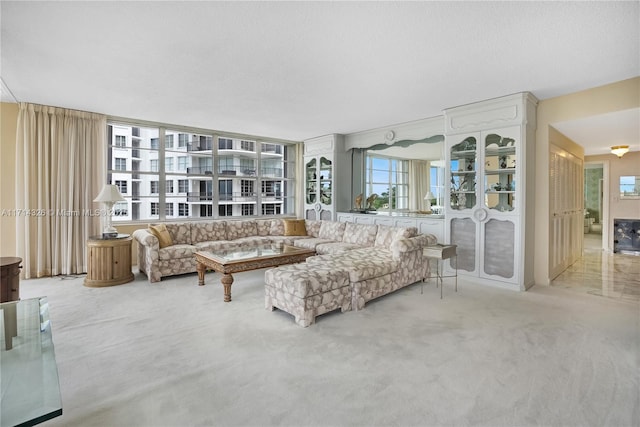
332, 230
238, 229
212, 246
360, 234
252, 241
313, 227
160, 231
287, 240
335, 247
277, 227
180, 232
263, 226
386, 235
301, 281
362, 264
207, 231
176, 251
310, 243
294, 227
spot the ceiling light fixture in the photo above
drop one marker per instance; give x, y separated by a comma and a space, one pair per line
620, 150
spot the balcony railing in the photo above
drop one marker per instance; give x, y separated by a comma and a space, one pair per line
199, 196
205, 170
236, 171
206, 145
238, 197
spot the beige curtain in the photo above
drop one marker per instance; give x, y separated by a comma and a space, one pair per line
418, 184
60, 157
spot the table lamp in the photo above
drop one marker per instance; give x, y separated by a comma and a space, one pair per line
109, 196
427, 198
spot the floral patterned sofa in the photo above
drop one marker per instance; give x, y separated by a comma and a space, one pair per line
190, 237
379, 259
376, 260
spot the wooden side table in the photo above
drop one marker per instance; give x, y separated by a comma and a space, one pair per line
440, 252
109, 261
10, 278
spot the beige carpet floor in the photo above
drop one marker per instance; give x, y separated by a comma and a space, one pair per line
174, 354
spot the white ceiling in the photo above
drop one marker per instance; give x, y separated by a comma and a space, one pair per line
296, 70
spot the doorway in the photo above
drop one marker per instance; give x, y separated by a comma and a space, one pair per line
596, 206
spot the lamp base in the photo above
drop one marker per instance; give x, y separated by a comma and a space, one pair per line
109, 235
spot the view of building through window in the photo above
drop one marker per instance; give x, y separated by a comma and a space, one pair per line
388, 178
166, 174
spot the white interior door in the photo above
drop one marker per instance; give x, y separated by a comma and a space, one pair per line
566, 193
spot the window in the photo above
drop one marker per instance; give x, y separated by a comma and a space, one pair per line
122, 186
225, 210
436, 183
271, 209
388, 178
225, 189
182, 163
233, 192
206, 211
248, 145
247, 209
183, 139
121, 209
225, 144
121, 164
246, 188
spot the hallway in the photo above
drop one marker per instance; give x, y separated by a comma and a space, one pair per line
599, 273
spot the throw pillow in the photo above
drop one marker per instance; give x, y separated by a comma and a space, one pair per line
294, 227
160, 231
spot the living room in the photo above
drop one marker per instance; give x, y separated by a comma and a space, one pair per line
300, 87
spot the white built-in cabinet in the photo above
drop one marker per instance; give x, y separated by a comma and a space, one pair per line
326, 174
489, 153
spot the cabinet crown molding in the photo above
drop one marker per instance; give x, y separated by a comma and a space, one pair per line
414, 131
498, 112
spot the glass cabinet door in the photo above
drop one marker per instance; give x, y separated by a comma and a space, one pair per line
500, 172
325, 181
463, 166
311, 176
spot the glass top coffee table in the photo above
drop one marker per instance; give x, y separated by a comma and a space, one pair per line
247, 258
29, 386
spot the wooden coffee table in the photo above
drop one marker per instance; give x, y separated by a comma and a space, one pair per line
247, 258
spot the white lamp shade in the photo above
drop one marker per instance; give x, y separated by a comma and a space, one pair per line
109, 193
429, 196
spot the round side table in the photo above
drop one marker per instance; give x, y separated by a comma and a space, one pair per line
109, 261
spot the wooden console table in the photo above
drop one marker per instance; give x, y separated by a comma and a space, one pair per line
9, 279
109, 261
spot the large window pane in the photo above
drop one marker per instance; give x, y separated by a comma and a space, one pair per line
133, 167
198, 175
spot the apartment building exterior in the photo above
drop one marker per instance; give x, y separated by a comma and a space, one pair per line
165, 174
